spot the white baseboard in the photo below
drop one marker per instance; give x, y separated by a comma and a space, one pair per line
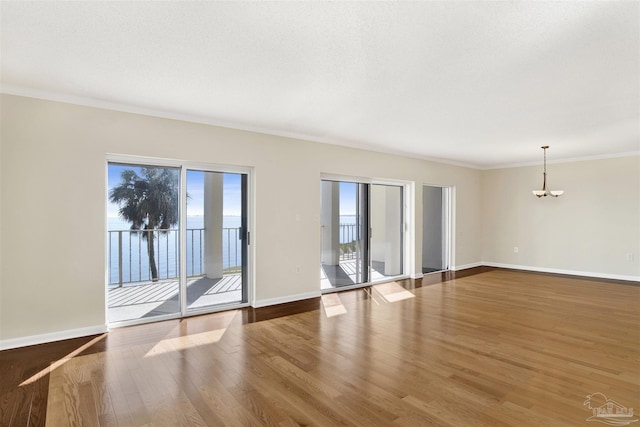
51, 337
288, 298
561, 271
465, 266
416, 276
100, 329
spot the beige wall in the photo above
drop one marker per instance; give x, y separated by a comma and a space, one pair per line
589, 229
52, 208
53, 204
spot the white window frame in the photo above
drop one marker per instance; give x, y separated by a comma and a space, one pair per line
183, 165
408, 197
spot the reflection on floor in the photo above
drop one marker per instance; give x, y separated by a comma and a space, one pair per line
153, 299
383, 293
393, 292
333, 305
345, 274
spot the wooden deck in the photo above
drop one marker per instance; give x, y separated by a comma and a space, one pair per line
135, 301
149, 292
345, 274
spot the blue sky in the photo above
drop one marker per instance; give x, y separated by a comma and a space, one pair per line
195, 189
348, 198
232, 192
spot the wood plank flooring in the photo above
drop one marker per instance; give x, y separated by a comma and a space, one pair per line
497, 348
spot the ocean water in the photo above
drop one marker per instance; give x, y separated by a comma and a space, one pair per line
132, 249
128, 253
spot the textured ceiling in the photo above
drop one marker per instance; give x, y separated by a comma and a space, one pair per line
478, 83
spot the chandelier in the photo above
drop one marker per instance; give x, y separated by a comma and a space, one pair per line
545, 192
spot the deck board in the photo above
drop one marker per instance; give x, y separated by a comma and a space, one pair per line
147, 292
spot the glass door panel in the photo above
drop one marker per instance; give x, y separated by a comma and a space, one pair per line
386, 231
216, 239
143, 241
344, 234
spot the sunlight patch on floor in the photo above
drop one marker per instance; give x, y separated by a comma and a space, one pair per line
393, 292
192, 340
187, 341
333, 305
55, 365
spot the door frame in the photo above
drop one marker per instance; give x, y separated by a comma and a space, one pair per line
408, 226
183, 165
447, 225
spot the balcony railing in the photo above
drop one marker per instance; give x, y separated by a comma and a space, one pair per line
348, 241
129, 257
348, 238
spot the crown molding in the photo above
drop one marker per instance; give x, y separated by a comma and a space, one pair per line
567, 160
172, 115
114, 106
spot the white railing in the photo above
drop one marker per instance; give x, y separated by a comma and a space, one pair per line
348, 238
128, 254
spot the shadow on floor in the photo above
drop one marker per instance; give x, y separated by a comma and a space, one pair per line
337, 276
194, 291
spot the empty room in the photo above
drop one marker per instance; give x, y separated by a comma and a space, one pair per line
319, 213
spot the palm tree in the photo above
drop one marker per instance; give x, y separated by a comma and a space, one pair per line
148, 201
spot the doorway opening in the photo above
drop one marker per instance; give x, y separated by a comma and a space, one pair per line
436, 237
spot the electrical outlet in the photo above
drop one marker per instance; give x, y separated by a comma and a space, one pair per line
297, 269
630, 256
515, 249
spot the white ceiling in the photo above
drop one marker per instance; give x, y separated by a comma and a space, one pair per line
478, 83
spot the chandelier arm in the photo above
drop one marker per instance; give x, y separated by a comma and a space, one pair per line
544, 171
545, 192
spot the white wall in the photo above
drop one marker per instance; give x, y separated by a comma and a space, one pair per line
52, 209
588, 230
52, 276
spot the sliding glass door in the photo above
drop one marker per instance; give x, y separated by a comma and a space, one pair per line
387, 231
167, 258
344, 234
142, 241
362, 233
216, 239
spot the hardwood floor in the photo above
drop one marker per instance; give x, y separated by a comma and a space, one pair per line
487, 347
